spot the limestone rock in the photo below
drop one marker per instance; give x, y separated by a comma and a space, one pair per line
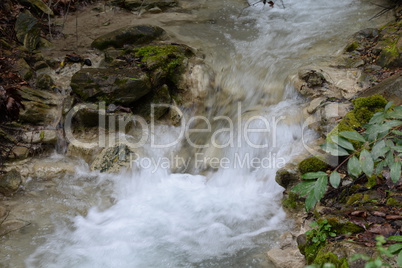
110, 85
328, 82
10, 182
24, 69
113, 159
48, 136
390, 88
48, 169
40, 106
131, 35
286, 258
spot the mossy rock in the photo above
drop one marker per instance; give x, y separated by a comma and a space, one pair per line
131, 35
312, 164
292, 201
341, 226
110, 85
164, 61
154, 105
286, 178
394, 202
352, 46
329, 257
365, 107
44, 82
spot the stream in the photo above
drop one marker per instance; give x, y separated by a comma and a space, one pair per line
195, 213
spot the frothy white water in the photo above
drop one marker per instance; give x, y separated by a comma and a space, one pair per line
162, 219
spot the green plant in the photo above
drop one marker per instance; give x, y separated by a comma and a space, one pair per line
379, 262
321, 231
379, 148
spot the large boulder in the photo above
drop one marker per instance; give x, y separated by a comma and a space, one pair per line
130, 35
10, 182
110, 85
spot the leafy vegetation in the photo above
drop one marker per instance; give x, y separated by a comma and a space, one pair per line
379, 261
376, 151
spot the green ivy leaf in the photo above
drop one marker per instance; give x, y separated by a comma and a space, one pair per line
389, 105
354, 167
395, 171
334, 149
377, 118
395, 248
379, 149
399, 259
310, 201
395, 238
314, 175
352, 135
397, 113
320, 187
380, 166
343, 143
366, 162
335, 179
304, 188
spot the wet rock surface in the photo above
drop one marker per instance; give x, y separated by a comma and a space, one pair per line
131, 35
10, 182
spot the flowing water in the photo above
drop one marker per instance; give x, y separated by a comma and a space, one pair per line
205, 213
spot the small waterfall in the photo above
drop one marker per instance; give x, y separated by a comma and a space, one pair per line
221, 206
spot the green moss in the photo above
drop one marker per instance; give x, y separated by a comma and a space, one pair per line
329, 257
166, 57
311, 250
292, 201
371, 181
365, 107
345, 227
354, 198
392, 202
312, 164
352, 47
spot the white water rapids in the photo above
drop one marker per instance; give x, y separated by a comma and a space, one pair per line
226, 217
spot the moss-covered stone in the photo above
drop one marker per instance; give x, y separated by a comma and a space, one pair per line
131, 35
354, 198
163, 60
352, 47
365, 107
44, 82
392, 202
344, 227
110, 85
286, 178
329, 257
292, 201
312, 164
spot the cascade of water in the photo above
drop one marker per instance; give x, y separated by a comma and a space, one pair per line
219, 218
